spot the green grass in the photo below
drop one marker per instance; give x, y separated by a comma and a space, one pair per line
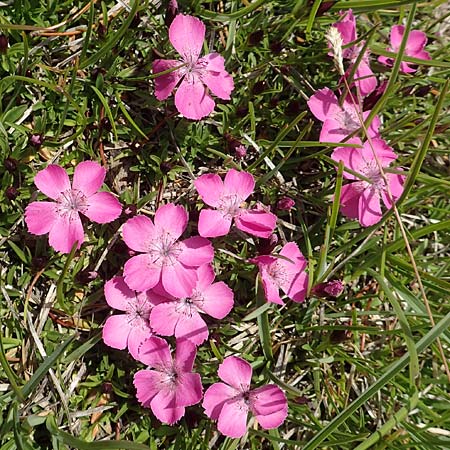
361, 371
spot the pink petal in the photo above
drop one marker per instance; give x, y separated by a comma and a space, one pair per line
210, 188
171, 219
365, 79
256, 222
374, 128
196, 251
192, 99
88, 177
115, 331
103, 207
395, 186
187, 33
65, 232
396, 36
332, 132
147, 384
369, 207
239, 183
185, 355
416, 42
164, 84
384, 153
164, 407
233, 419
323, 104
215, 76
205, 277
236, 372
385, 60
117, 293
40, 217
297, 261
271, 289
269, 405
138, 335
213, 223
155, 352
191, 327
297, 288
189, 390
351, 157
178, 279
347, 27
164, 317
140, 273
138, 232
52, 181
218, 300
350, 200
215, 397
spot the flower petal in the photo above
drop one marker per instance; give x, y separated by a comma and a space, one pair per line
164, 317
236, 372
233, 419
65, 232
352, 158
215, 397
138, 232
205, 277
164, 407
40, 217
187, 33
213, 223
88, 177
103, 207
214, 75
115, 331
185, 355
189, 390
297, 288
269, 405
350, 200
52, 181
192, 99
369, 207
140, 273
178, 279
323, 104
171, 219
256, 222
347, 27
117, 293
155, 353
196, 251
138, 335
365, 79
191, 327
164, 84
239, 183
218, 300
210, 188
147, 384
416, 42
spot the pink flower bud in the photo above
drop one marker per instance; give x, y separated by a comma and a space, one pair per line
333, 288
285, 204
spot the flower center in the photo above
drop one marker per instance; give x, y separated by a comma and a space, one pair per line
71, 202
190, 305
138, 312
277, 273
230, 205
372, 172
164, 250
348, 120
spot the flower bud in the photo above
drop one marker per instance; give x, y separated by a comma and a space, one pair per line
255, 38
241, 151
11, 193
333, 288
36, 140
3, 44
10, 164
171, 12
285, 204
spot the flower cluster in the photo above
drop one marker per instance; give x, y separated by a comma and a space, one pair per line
344, 121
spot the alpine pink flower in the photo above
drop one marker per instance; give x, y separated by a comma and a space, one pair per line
364, 77
194, 75
163, 257
361, 199
132, 328
61, 218
227, 197
286, 273
168, 385
230, 402
338, 122
181, 316
414, 47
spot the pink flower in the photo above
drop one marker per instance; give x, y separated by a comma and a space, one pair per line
338, 122
181, 316
230, 402
227, 198
361, 199
414, 47
61, 218
364, 77
132, 328
197, 75
168, 385
286, 273
163, 257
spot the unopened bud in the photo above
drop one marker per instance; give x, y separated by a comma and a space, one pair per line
333, 288
3, 44
285, 204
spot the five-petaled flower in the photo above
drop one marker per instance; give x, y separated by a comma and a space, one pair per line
163, 257
227, 197
364, 78
361, 199
230, 402
286, 273
61, 218
132, 328
168, 385
193, 75
414, 47
181, 316
339, 121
